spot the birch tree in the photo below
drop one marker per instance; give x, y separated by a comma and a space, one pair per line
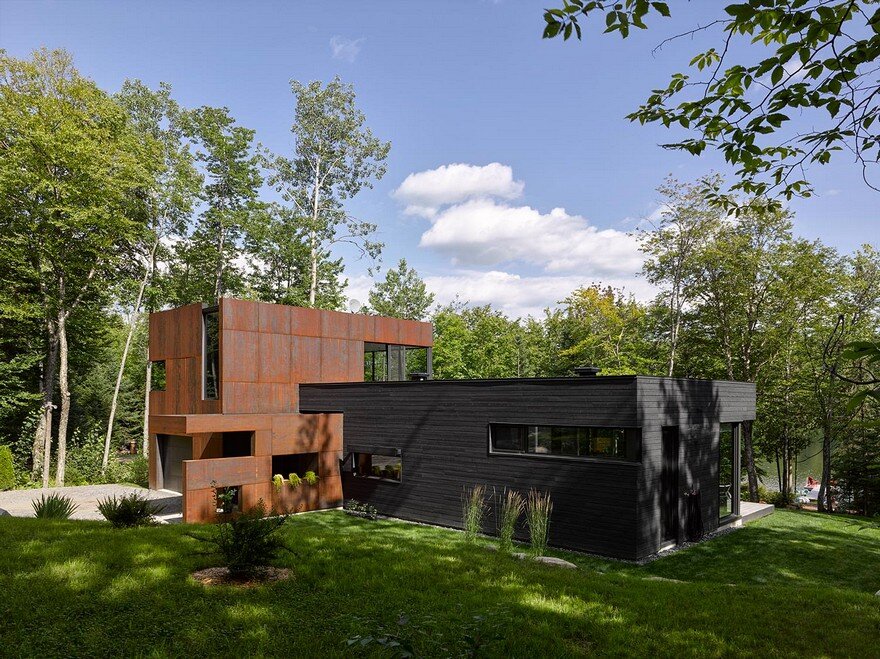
70, 164
168, 205
335, 157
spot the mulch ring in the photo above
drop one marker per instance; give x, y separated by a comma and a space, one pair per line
220, 576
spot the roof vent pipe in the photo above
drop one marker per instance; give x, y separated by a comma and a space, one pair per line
587, 371
418, 376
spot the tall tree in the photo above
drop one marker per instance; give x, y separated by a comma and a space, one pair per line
70, 168
207, 261
753, 283
156, 116
335, 157
687, 221
402, 294
279, 261
813, 60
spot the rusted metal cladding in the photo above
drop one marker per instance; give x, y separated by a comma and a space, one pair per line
268, 349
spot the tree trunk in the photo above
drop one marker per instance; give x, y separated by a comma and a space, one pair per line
145, 441
65, 399
218, 277
131, 325
750, 460
41, 450
313, 237
824, 501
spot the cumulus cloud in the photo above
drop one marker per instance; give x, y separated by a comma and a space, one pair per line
424, 193
519, 296
345, 49
483, 232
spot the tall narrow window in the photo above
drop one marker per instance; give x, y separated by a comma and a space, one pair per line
211, 351
727, 485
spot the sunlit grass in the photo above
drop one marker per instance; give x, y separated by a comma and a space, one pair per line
83, 589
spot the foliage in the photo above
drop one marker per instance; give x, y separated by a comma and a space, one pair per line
294, 481
473, 510
359, 509
403, 294
538, 512
278, 481
512, 508
857, 468
54, 506
7, 470
335, 157
310, 478
248, 541
129, 511
224, 497
813, 60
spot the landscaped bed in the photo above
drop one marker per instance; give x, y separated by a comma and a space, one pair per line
797, 584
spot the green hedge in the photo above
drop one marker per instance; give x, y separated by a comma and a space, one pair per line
7, 474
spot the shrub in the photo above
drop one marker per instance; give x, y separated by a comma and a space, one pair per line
473, 509
247, 542
779, 499
358, 509
310, 477
511, 509
7, 471
278, 481
139, 471
538, 518
294, 480
54, 506
131, 510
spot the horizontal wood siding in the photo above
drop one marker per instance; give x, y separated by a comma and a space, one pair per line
441, 428
697, 408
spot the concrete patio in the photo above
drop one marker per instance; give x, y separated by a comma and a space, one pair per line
19, 503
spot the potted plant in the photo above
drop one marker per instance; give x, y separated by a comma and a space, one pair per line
310, 477
294, 481
278, 482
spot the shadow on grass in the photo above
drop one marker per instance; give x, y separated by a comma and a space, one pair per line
82, 588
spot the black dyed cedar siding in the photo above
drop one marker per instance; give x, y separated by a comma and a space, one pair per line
441, 427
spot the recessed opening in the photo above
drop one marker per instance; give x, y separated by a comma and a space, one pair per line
294, 463
385, 464
157, 375
237, 444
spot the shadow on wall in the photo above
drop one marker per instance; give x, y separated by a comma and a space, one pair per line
694, 407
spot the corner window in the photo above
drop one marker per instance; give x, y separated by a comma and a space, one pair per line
384, 465
211, 353
384, 362
157, 376
565, 441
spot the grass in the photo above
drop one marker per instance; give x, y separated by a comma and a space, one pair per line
792, 584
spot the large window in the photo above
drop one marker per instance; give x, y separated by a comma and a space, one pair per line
383, 464
565, 441
211, 352
388, 362
728, 487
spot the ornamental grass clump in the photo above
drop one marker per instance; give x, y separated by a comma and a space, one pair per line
473, 507
538, 519
129, 511
54, 506
310, 478
512, 507
294, 481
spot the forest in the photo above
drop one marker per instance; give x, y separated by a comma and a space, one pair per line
117, 203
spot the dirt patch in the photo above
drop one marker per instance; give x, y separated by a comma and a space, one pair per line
220, 576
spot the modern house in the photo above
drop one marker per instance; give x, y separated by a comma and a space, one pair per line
254, 389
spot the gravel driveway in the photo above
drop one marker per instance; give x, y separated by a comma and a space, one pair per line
19, 503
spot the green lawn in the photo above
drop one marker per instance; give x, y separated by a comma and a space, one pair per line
792, 584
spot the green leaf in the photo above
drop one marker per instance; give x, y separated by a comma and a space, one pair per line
662, 8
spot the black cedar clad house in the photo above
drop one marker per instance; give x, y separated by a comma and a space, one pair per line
616, 453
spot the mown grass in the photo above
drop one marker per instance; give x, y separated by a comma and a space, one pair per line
790, 584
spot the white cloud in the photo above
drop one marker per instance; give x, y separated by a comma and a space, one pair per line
424, 193
521, 296
345, 49
488, 233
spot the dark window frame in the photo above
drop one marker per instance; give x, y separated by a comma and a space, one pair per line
596, 458
352, 460
735, 469
209, 311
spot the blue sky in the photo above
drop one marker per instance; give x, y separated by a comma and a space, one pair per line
449, 83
